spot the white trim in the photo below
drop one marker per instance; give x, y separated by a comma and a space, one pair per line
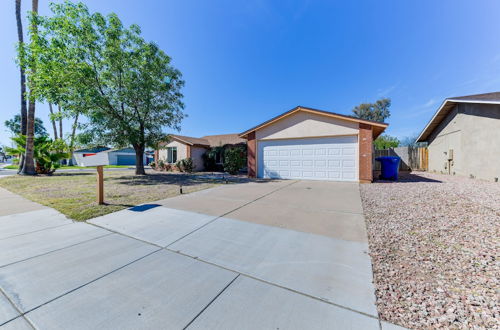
455, 101
473, 101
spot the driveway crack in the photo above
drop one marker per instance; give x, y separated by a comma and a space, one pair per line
211, 301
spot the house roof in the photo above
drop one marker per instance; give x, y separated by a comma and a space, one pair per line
223, 139
209, 140
189, 140
378, 127
449, 103
92, 150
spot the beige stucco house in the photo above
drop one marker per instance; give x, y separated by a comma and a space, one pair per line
181, 147
312, 144
464, 137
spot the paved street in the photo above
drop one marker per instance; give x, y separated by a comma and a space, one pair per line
260, 255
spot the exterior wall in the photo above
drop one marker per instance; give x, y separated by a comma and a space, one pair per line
365, 153
196, 155
252, 155
303, 124
473, 132
181, 150
113, 157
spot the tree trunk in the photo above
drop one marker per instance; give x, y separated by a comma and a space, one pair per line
29, 161
72, 138
60, 122
20, 36
53, 121
139, 159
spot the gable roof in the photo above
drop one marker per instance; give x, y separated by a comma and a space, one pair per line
378, 127
223, 139
209, 140
189, 140
449, 103
92, 150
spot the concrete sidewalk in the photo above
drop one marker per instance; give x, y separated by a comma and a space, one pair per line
276, 254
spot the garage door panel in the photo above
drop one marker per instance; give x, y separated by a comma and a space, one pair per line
348, 164
317, 159
348, 151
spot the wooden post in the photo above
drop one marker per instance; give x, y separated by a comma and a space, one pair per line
100, 185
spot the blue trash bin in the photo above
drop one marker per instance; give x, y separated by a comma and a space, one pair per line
390, 167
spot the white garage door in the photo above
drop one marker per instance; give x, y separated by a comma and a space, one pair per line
333, 158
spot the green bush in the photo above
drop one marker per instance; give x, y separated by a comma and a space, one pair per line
234, 159
185, 165
209, 160
47, 153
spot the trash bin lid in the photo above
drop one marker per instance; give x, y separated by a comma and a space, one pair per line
393, 158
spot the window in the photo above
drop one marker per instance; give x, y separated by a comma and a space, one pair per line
171, 155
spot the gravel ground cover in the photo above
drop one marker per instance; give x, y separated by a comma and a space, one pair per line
435, 247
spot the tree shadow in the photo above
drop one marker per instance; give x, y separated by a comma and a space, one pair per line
153, 179
61, 174
407, 177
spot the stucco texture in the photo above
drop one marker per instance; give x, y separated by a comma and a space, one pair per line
303, 124
181, 150
472, 131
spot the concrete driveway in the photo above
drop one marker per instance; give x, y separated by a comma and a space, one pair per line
260, 255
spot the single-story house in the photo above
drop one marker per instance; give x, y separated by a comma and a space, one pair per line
123, 156
463, 136
306, 143
181, 147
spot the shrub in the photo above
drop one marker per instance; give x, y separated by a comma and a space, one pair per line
47, 153
152, 164
185, 165
161, 164
209, 160
234, 159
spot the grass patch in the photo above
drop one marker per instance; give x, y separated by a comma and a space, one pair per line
74, 194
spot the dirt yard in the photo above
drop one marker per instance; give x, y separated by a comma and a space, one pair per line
74, 193
435, 248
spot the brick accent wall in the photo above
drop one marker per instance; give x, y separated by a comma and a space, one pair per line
252, 155
188, 151
365, 153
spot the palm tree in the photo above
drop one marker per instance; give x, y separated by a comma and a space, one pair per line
24, 111
21, 69
29, 162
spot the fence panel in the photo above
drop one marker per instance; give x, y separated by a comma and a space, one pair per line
412, 158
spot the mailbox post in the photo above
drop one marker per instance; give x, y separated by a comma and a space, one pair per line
99, 160
100, 185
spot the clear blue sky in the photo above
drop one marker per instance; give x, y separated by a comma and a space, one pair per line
246, 61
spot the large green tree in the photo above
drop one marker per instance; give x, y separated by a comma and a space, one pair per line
385, 142
378, 111
89, 63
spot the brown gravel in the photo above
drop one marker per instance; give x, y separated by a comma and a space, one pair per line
435, 247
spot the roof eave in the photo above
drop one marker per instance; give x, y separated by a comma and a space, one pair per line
319, 112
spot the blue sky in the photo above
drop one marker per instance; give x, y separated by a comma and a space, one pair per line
247, 61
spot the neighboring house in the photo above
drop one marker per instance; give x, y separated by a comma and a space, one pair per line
306, 143
181, 147
463, 136
124, 156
